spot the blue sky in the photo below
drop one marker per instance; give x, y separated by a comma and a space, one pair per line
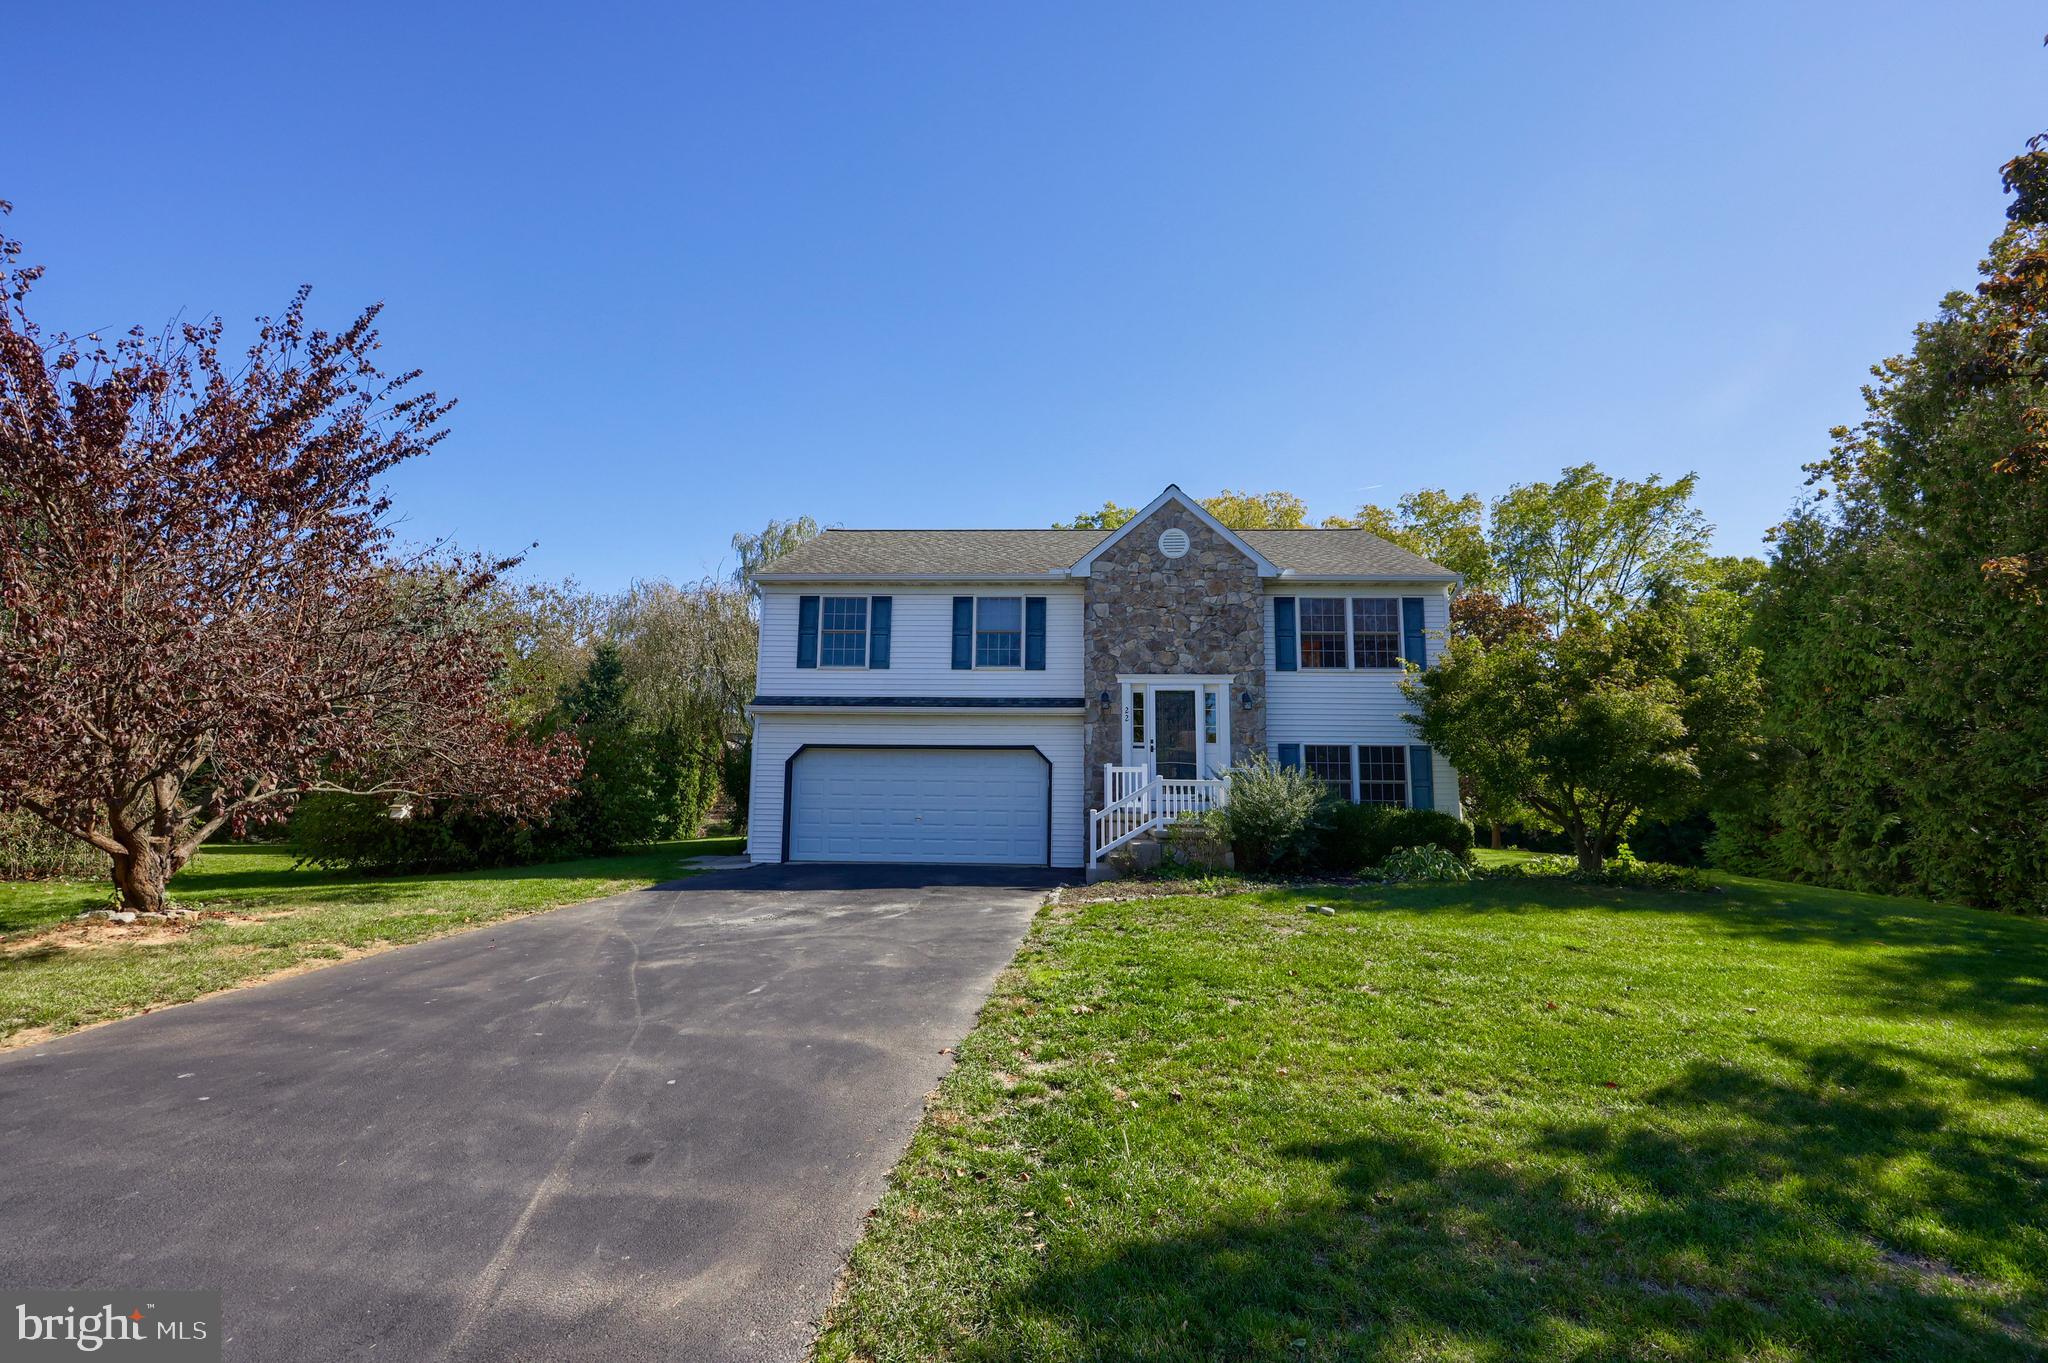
689, 267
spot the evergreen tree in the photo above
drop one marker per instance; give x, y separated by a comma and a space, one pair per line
1904, 619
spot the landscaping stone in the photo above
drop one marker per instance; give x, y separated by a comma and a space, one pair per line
96, 915
147, 917
125, 916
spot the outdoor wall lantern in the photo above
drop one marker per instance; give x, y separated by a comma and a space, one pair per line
1249, 700
1105, 697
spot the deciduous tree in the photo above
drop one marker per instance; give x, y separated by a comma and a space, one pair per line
772, 541
1109, 518
1258, 510
1593, 543
688, 654
1443, 529
200, 614
1591, 727
1238, 510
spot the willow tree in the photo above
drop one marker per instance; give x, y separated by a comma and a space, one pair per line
201, 616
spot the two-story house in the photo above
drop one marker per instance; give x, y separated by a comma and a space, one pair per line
1038, 696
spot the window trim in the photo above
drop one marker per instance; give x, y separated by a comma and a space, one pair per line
1350, 751
1350, 613
979, 665
1394, 634
866, 632
1400, 751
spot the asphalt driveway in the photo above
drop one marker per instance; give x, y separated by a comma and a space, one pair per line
646, 1127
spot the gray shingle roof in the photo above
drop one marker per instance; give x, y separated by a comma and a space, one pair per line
1015, 553
938, 553
1339, 553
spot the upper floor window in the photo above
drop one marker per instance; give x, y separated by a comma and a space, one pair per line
843, 632
1375, 631
1338, 632
999, 631
1322, 631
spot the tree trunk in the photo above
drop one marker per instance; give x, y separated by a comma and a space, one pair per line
140, 874
1498, 835
1588, 847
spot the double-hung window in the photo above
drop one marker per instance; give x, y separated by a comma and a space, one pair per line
1349, 633
1375, 631
843, 632
1331, 764
1382, 775
999, 631
1322, 631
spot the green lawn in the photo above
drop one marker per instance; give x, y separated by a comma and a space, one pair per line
1505, 1121
282, 917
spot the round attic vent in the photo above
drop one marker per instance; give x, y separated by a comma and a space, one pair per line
1173, 543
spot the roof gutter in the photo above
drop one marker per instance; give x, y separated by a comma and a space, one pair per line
795, 579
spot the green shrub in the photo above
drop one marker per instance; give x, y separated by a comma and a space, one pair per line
1623, 871
1426, 862
358, 833
1273, 817
1355, 837
32, 850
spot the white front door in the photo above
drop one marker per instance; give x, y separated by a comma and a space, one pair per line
1177, 727
1173, 733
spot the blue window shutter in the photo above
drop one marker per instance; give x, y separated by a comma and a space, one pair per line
963, 633
878, 632
1413, 647
1283, 641
1034, 634
1290, 753
807, 631
1421, 778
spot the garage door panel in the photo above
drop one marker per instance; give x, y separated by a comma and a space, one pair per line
960, 805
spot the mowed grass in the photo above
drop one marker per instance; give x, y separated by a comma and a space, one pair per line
58, 976
1503, 1121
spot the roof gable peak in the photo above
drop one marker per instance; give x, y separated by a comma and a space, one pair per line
1085, 565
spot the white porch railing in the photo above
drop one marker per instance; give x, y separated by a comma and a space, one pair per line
1118, 782
1144, 805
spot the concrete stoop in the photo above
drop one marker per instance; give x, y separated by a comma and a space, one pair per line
1147, 850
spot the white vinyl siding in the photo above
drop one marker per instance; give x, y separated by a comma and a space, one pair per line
1349, 705
920, 646
778, 736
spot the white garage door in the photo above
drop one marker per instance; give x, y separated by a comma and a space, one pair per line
919, 804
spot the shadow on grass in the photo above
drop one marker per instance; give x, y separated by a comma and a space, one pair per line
1828, 1211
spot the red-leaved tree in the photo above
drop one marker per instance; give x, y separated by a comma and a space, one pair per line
201, 613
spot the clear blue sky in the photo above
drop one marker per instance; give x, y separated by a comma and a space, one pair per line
687, 267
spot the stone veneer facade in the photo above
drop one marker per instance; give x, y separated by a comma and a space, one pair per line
1147, 613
